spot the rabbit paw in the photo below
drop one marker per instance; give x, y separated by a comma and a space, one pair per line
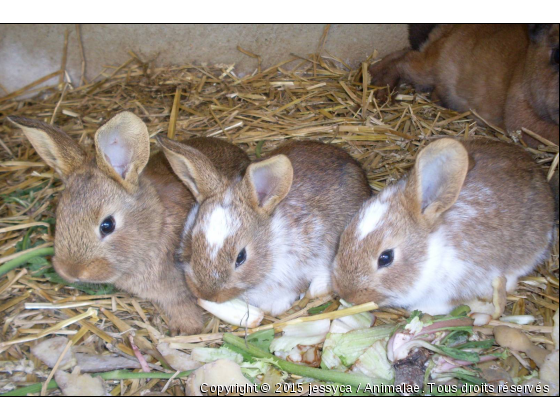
185, 327
186, 323
278, 306
385, 75
481, 312
320, 286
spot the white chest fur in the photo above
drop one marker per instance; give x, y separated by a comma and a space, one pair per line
298, 260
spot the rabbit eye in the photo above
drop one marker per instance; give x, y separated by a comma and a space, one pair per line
554, 56
107, 226
241, 257
386, 258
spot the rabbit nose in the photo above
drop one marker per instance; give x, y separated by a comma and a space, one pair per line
224, 295
208, 295
356, 297
201, 291
344, 292
217, 296
69, 271
338, 292
335, 287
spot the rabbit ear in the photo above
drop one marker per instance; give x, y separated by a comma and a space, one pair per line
268, 182
193, 168
537, 30
438, 177
54, 146
123, 148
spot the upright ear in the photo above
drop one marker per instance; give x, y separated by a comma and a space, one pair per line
438, 177
268, 182
537, 30
54, 146
122, 148
192, 167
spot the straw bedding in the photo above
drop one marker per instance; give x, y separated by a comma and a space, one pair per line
315, 97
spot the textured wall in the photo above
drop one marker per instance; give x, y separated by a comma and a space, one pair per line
28, 52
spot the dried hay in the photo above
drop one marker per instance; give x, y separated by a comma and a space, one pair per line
316, 97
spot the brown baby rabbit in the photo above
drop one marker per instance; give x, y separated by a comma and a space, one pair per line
469, 213
507, 73
120, 217
271, 235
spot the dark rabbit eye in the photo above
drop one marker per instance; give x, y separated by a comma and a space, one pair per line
386, 258
107, 226
241, 257
554, 56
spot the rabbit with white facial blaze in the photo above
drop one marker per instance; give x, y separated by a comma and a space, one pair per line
120, 216
468, 213
271, 235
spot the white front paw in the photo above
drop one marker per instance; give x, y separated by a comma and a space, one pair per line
481, 312
320, 286
278, 306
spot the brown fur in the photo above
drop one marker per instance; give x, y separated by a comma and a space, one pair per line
230, 164
152, 204
418, 33
311, 185
499, 71
501, 223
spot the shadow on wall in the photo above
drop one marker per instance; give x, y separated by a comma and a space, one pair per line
29, 52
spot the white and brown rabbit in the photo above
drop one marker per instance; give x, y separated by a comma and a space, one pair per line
271, 235
468, 213
120, 217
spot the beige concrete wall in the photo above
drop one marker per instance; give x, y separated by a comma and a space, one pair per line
28, 52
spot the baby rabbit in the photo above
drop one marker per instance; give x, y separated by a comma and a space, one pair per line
119, 219
507, 73
468, 213
271, 235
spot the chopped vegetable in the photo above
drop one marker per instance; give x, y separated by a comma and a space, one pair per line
272, 378
222, 373
354, 380
305, 334
415, 325
351, 322
253, 369
446, 368
319, 309
374, 363
350, 346
177, 359
234, 312
307, 355
306, 329
428, 334
207, 355
517, 340
519, 319
76, 384
49, 351
262, 339
329, 360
